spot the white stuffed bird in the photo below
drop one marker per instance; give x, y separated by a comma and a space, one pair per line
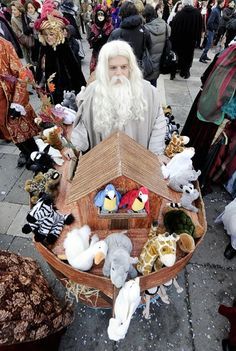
126, 304
80, 253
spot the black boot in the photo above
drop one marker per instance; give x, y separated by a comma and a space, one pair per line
22, 160
230, 252
26, 147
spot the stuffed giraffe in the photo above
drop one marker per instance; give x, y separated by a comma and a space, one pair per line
158, 251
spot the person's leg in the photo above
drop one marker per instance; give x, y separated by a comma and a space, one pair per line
210, 37
26, 147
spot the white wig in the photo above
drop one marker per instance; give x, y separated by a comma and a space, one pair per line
111, 50
102, 108
187, 2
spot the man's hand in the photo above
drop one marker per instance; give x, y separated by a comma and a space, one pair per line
69, 154
13, 113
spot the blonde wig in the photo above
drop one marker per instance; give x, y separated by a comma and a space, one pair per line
55, 25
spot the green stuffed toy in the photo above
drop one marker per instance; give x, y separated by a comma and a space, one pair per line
43, 183
177, 221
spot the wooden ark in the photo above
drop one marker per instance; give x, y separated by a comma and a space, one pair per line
118, 160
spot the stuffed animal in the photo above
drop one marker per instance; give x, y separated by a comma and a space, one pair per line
43, 183
53, 136
158, 251
179, 163
41, 161
68, 115
108, 199
80, 253
126, 304
45, 222
228, 218
171, 126
118, 263
189, 195
176, 145
177, 181
69, 100
45, 158
179, 222
136, 200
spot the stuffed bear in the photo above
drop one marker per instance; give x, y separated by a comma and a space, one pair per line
53, 136
45, 222
180, 179
177, 144
43, 183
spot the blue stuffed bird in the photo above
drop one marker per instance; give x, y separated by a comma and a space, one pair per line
108, 199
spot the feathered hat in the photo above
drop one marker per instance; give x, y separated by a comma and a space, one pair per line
52, 20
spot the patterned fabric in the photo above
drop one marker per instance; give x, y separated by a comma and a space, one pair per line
219, 87
28, 308
11, 90
230, 108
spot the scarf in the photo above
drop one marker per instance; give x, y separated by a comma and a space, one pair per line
219, 88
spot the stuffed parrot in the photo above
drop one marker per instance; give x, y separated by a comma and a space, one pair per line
108, 199
136, 200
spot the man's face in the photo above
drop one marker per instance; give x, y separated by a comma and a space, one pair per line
118, 66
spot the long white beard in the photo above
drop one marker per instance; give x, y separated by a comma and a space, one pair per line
114, 112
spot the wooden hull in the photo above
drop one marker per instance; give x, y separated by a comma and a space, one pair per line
137, 230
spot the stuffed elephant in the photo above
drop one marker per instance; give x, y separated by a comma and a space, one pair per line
118, 263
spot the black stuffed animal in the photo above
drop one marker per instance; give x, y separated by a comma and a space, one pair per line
41, 161
45, 222
171, 125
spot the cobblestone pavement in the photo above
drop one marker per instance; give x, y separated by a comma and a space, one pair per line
191, 321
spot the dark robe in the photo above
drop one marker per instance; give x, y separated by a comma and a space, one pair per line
68, 71
186, 28
9, 35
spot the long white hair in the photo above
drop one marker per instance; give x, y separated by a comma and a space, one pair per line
130, 105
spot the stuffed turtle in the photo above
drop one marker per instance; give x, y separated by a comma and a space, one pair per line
177, 221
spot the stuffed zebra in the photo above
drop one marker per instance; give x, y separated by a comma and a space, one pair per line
45, 222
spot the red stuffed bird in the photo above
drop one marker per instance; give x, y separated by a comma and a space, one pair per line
136, 200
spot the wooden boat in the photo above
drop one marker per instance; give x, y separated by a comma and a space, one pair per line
127, 165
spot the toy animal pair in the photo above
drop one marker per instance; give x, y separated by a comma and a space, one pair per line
110, 200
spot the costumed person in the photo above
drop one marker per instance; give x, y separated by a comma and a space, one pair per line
229, 344
17, 116
100, 31
88, 20
119, 99
56, 55
167, 8
178, 7
7, 33
158, 30
69, 11
206, 113
132, 30
212, 28
186, 28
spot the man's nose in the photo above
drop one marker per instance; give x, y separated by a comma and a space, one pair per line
118, 71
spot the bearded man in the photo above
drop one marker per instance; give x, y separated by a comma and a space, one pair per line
119, 99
